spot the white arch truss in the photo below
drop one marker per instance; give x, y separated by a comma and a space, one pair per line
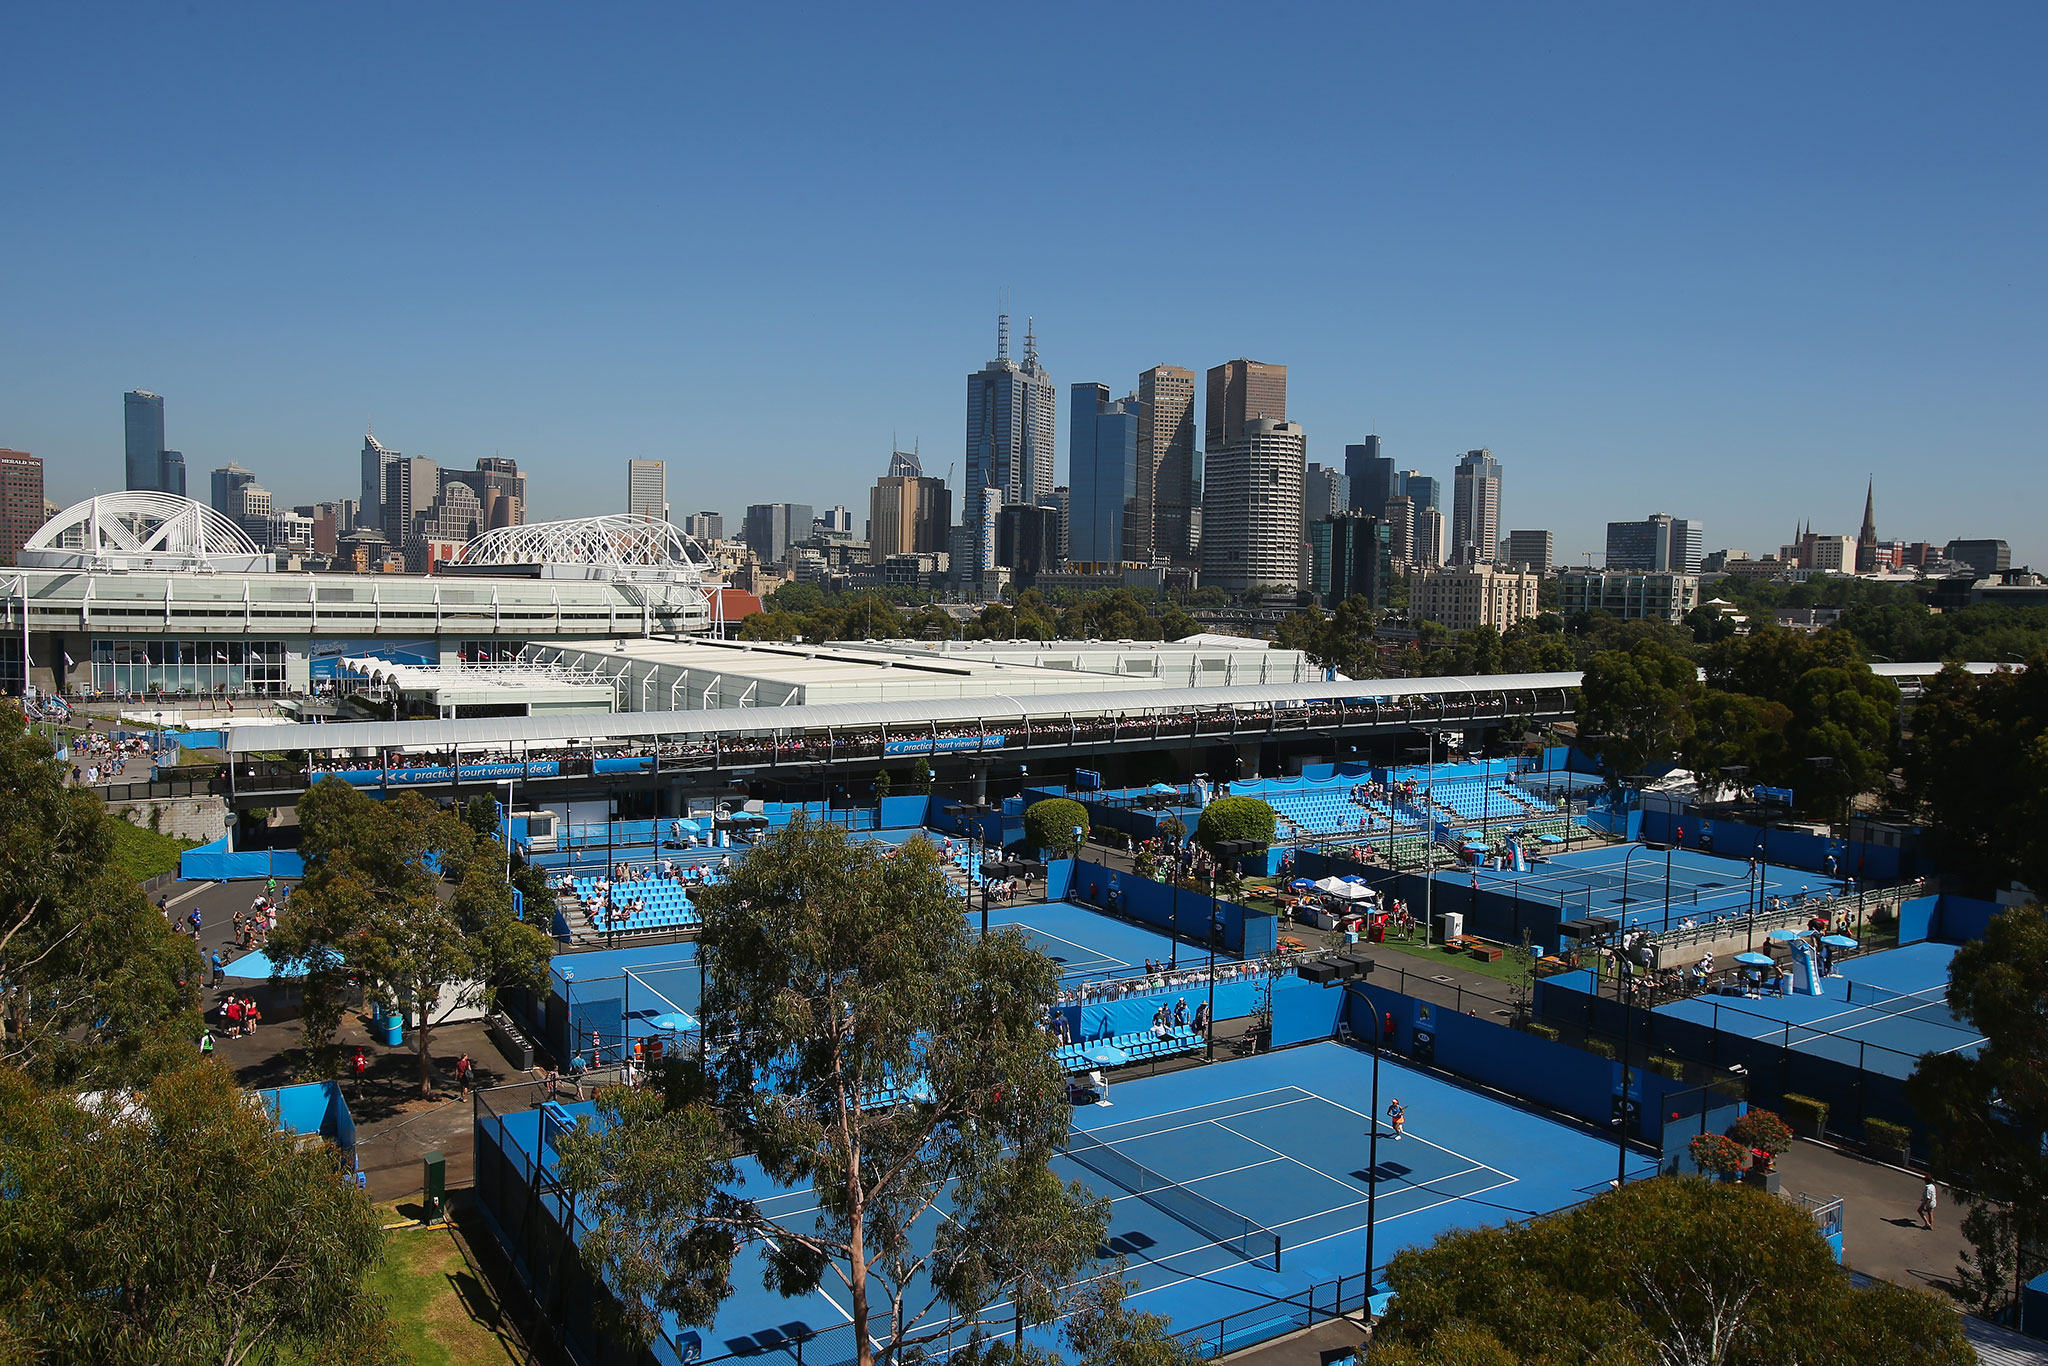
617, 546
140, 529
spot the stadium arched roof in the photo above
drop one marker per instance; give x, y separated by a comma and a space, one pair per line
140, 529
611, 547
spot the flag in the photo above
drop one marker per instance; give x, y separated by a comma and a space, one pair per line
220, 656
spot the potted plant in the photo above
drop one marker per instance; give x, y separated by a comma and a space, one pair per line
1809, 1117
1886, 1141
1718, 1156
1765, 1136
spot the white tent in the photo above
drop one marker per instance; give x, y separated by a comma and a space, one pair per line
1345, 891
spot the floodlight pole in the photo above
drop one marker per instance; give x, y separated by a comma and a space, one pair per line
1372, 1155
1669, 850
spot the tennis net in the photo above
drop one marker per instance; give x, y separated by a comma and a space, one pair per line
1251, 1241
1932, 1010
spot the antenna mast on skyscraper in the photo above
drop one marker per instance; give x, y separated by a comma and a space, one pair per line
1030, 341
1002, 336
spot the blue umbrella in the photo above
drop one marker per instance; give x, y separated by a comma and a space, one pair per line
1164, 790
676, 1022
1301, 884
1838, 941
1755, 960
1106, 1055
690, 826
257, 967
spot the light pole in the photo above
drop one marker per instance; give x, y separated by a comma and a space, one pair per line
1345, 971
505, 830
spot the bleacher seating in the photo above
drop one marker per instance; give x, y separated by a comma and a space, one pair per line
1327, 809
1139, 1046
664, 905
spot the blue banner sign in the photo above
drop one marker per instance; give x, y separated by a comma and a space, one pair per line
944, 744
442, 773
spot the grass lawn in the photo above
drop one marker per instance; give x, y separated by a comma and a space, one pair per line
445, 1312
141, 853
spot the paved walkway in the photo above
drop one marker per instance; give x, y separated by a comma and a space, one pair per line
1881, 1236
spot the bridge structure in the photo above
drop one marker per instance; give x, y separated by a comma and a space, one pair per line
566, 753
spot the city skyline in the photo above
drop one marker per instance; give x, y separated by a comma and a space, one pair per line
1711, 296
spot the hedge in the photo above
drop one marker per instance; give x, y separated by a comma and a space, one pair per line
1050, 824
1805, 1111
1236, 818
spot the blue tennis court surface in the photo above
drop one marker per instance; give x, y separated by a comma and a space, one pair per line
1895, 1002
1278, 1139
1646, 887
1087, 943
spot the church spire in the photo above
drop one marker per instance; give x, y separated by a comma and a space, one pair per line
1869, 513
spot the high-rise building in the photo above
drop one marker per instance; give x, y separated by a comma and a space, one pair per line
1361, 559
1659, 542
1027, 541
705, 526
1169, 466
1982, 556
170, 472
142, 415
1326, 493
411, 485
1632, 595
1011, 441
251, 510
1428, 550
1239, 391
1062, 503
837, 519
370, 501
21, 502
1251, 506
1467, 597
225, 481
647, 490
772, 528
1866, 540
1399, 515
1532, 550
1371, 475
1102, 476
501, 488
1425, 491
1475, 508
908, 514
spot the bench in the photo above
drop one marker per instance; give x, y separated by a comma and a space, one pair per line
1485, 953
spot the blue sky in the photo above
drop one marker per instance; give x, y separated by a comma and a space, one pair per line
1723, 262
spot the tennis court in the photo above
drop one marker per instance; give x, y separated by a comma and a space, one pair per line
1245, 1154
1086, 943
1881, 1012
1639, 885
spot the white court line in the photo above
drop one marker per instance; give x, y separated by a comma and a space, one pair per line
1348, 1187
1410, 1133
1095, 953
1192, 1124
1299, 1091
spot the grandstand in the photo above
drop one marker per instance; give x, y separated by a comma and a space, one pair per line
652, 905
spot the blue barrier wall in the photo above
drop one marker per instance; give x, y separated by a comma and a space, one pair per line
1917, 919
1304, 1012
1246, 933
1964, 918
1106, 1019
215, 862
1785, 848
317, 1107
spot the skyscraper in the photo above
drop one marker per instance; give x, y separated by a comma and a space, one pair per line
1428, 551
772, 528
1251, 506
1399, 515
1371, 475
1533, 550
705, 526
1426, 491
1326, 493
21, 502
1027, 541
1011, 441
370, 501
501, 488
1169, 467
1240, 390
647, 490
225, 481
1658, 542
907, 514
411, 484
1361, 559
1102, 476
1475, 509
142, 416
170, 472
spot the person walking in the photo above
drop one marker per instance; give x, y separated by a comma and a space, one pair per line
220, 968
465, 1072
206, 1046
359, 1067
1929, 1198
1397, 1115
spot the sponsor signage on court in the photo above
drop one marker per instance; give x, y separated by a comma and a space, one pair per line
943, 744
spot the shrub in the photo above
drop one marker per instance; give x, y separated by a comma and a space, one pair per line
1761, 1131
1542, 1031
1668, 1067
1050, 824
1882, 1133
1805, 1110
1600, 1048
1717, 1154
1235, 818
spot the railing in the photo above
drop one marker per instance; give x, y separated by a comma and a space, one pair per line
1343, 1296
1758, 925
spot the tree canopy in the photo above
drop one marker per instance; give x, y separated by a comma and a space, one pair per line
1987, 1115
177, 1223
1236, 818
1676, 1271
1977, 769
833, 972
377, 904
1050, 824
97, 988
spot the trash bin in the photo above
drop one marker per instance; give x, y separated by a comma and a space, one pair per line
392, 1028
